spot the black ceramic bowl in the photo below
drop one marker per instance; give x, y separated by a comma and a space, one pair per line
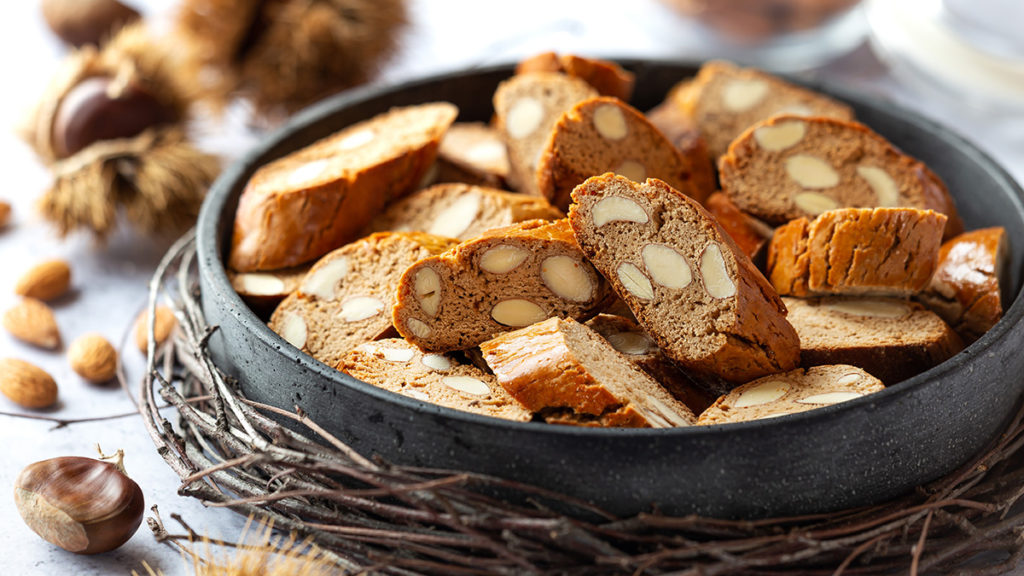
859, 452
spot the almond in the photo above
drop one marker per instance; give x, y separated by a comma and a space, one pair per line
45, 281
27, 384
33, 322
93, 357
162, 327
5, 212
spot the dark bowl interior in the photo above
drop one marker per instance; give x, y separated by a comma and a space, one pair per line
856, 453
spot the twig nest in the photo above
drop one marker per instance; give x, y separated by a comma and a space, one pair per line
112, 128
81, 22
286, 54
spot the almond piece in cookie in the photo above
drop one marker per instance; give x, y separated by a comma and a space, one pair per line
473, 153
263, 291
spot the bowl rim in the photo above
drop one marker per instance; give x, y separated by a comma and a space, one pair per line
211, 261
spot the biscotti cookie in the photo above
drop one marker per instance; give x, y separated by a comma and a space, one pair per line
856, 251
560, 365
604, 134
789, 167
680, 131
630, 340
472, 153
263, 290
394, 364
461, 211
749, 233
965, 289
346, 297
505, 279
791, 392
724, 100
889, 338
526, 107
304, 205
608, 78
688, 284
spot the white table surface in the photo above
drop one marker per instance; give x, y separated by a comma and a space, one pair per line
110, 282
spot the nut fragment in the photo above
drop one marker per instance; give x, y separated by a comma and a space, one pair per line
780, 136
487, 153
355, 140
502, 259
360, 308
418, 328
258, 284
876, 308
811, 172
456, 218
610, 122
323, 281
633, 170
417, 394
33, 322
830, 398
634, 281
743, 94
293, 329
93, 357
567, 277
887, 193
517, 312
45, 281
630, 343
163, 323
847, 379
666, 266
400, 355
436, 362
814, 203
467, 384
617, 209
308, 173
762, 394
524, 117
26, 384
716, 276
427, 286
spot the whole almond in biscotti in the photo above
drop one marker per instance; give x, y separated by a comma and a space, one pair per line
473, 153
791, 392
300, 207
965, 289
569, 374
33, 322
346, 297
856, 251
604, 134
526, 107
891, 339
723, 100
396, 365
608, 78
790, 167
688, 284
45, 281
505, 279
263, 291
26, 384
461, 211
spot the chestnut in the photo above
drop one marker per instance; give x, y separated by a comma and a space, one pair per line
83, 505
80, 22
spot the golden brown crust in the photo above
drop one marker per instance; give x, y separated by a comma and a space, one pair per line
608, 78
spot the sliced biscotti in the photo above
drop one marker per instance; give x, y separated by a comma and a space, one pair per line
473, 153
526, 107
630, 340
394, 364
608, 78
749, 233
965, 289
299, 207
724, 100
791, 392
604, 134
504, 279
789, 167
462, 211
562, 368
891, 339
678, 128
688, 284
857, 251
346, 298
265, 290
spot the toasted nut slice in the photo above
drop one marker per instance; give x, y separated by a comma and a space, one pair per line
308, 173
762, 394
324, 280
487, 153
634, 281
436, 362
523, 118
618, 209
633, 170
780, 136
666, 266
886, 191
814, 203
830, 398
427, 285
811, 172
716, 277
517, 313
293, 330
630, 343
743, 94
610, 122
455, 219
417, 394
355, 140
878, 308
258, 284
567, 277
32, 321
847, 379
360, 308
467, 384
400, 355
502, 259
418, 327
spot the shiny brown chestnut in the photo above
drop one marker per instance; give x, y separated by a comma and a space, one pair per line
83, 505
80, 22
104, 108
